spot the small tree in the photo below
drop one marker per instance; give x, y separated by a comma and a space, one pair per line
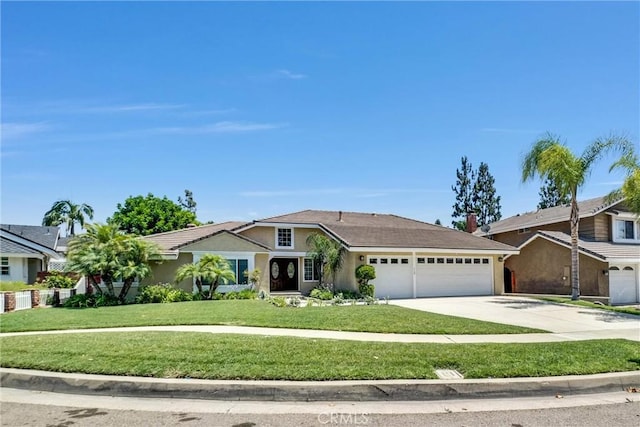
486, 204
550, 196
188, 203
464, 194
211, 268
327, 255
364, 273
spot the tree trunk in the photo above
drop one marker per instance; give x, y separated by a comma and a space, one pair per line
199, 286
575, 257
213, 287
108, 281
126, 285
94, 283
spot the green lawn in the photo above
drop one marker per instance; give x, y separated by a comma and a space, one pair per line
363, 318
202, 355
18, 286
564, 300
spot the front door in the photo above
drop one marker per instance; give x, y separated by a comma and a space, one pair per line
284, 274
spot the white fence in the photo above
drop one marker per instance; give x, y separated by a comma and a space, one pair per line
46, 295
64, 295
23, 300
1, 302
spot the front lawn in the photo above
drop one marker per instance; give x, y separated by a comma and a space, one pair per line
18, 286
582, 303
362, 318
203, 355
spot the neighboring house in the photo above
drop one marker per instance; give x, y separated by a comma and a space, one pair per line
411, 258
26, 250
609, 248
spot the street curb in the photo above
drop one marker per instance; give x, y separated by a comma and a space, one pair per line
378, 390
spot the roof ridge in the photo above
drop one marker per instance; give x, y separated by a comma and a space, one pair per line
164, 233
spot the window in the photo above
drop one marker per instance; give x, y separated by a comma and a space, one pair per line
440, 260
284, 238
458, 260
431, 260
373, 260
384, 261
239, 267
524, 230
449, 260
467, 260
310, 274
485, 260
476, 260
624, 229
4, 266
394, 260
404, 261
421, 260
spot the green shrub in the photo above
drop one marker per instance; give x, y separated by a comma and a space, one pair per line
247, 294
162, 293
278, 301
90, 301
57, 279
348, 294
321, 292
367, 290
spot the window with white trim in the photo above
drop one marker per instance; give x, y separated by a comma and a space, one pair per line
310, 273
239, 268
624, 229
4, 266
284, 238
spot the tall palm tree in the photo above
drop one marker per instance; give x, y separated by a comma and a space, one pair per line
550, 159
68, 213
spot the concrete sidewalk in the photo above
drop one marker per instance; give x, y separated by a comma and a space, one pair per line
630, 334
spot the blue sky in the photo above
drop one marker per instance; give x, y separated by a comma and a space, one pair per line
267, 108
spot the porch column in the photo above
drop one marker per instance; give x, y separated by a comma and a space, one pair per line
415, 278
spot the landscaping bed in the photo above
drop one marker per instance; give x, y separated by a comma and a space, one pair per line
229, 357
359, 318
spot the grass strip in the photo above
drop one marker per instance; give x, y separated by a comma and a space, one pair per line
589, 304
202, 355
360, 318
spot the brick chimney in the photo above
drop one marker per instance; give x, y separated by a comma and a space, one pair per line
340, 216
472, 222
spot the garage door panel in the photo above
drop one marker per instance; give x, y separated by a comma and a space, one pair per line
393, 280
623, 286
459, 279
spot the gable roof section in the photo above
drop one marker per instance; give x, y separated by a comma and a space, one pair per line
42, 235
367, 230
10, 247
172, 240
587, 208
604, 251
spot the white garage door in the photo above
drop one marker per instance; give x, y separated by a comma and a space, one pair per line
394, 276
453, 276
623, 286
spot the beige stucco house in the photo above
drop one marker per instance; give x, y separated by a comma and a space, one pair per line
609, 251
412, 258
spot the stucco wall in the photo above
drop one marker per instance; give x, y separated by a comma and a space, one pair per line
262, 263
166, 272
18, 271
267, 236
545, 267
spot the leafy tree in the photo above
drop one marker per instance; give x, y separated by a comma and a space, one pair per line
364, 273
464, 194
551, 159
438, 222
188, 203
550, 195
486, 204
630, 189
327, 255
68, 213
106, 253
210, 268
149, 215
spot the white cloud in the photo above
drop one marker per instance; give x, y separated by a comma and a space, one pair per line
508, 130
219, 127
18, 130
290, 75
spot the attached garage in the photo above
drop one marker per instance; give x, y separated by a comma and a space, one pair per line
453, 276
623, 284
435, 276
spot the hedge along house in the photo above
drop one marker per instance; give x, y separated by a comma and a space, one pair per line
609, 251
412, 258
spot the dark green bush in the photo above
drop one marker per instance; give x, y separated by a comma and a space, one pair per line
348, 294
90, 301
161, 293
367, 290
364, 273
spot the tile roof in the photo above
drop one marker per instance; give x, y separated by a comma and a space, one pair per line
42, 235
389, 231
541, 217
10, 247
172, 240
603, 250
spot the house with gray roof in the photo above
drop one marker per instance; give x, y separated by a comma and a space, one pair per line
609, 250
412, 258
26, 250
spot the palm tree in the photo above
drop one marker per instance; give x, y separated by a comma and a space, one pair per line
551, 159
212, 268
630, 190
327, 255
106, 252
66, 212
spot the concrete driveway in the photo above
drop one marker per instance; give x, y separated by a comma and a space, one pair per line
558, 318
